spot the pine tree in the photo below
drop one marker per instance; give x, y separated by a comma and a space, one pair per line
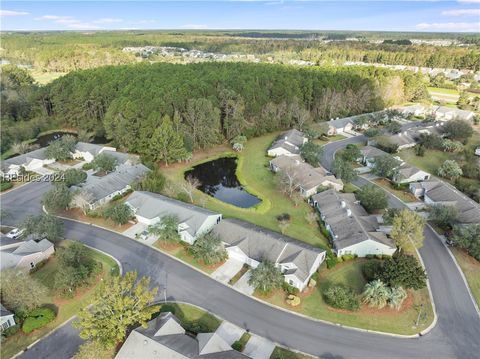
166, 144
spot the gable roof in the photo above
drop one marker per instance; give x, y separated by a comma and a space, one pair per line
10, 257
26, 157
152, 205
101, 187
348, 220
290, 140
146, 343
307, 176
341, 122
260, 243
412, 135
372, 152
4, 311
441, 192
406, 171
94, 149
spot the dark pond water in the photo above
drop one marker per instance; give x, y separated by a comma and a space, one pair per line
218, 180
44, 140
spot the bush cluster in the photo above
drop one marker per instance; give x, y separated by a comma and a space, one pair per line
37, 318
342, 297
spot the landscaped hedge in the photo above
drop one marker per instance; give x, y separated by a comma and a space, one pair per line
4, 185
37, 318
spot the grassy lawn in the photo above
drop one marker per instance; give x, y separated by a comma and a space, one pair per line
181, 252
471, 268
255, 176
404, 195
192, 317
386, 320
429, 162
281, 353
325, 140
443, 90
77, 214
66, 308
349, 188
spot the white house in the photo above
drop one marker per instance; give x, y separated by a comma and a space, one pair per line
448, 113
99, 190
287, 144
27, 255
407, 174
150, 208
352, 230
304, 176
369, 153
441, 193
477, 151
6, 318
414, 110
251, 244
31, 161
88, 151
340, 126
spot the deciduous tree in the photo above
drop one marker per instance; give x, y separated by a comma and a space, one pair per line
20, 291
407, 230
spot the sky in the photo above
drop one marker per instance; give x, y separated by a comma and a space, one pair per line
439, 16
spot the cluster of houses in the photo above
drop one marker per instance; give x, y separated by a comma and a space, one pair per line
440, 113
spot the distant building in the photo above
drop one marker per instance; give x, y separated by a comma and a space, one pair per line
88, 151
352, 229
251, 244
369, 153
441, 193
165, 338
26, 255
288, 144
340, 126
409, 138
306, 177
150, 208
31, 161
414, 110
448, 113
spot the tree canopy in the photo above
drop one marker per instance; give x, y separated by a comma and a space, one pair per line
372, 198
43, 225
407, 229
266, 277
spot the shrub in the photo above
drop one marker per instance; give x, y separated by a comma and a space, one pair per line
38, 266
290, 289
87, 166
293, 300
37, 318
348, 257
330, 259
10, 331
371, 269
283, 217
342, 297
4, 185
238, 346
182, 196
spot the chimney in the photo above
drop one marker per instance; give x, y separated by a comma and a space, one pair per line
343, 204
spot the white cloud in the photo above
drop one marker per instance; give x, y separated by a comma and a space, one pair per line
469, 1
461, 12
107, 20
4, 13
450, 26
83, 26
146, 21
195, 26
53, 17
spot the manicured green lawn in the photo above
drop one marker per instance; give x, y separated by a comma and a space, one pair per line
429, 162
443, 90
404, 195
471, 268
255, 176
66, 308
385, 320
192, 317
281, 353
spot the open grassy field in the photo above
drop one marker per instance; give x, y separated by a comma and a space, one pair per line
471, 268
385, 320
255, 176
66, 308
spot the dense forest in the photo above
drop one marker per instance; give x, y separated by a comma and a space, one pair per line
205, 104
68, 51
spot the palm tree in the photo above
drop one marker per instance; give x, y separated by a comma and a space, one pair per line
376, 294
396, 296
266, 277
166, 230
209, 248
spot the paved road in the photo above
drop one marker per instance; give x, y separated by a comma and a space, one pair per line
456, 334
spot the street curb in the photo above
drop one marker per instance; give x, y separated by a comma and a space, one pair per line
460, 270
252, 297
120, 267
44, 337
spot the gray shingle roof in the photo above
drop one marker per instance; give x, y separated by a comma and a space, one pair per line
152, 205
259, 243
349, 228
4, 311
10, 257
101, 187
146, 343
26, 158
89, 147
341, 122
290, 140
371, 152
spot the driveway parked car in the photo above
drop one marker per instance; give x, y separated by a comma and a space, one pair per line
15, 233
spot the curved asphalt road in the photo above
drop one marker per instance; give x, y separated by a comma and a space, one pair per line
455, 336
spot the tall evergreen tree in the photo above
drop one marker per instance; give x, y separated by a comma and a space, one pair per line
166, 145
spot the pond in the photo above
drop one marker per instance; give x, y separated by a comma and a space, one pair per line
44, 140
217, 179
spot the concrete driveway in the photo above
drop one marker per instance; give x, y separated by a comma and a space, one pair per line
227, 270
137, 229
258, 347
229, 332
242, 284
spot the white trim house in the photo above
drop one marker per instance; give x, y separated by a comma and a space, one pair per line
287, 144
6, 318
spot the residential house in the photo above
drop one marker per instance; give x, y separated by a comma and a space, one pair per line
288, 144
306, 177
165, 338
448, 113
416, 110
410, 137
440, 193
352, 229
406, 174
369, 153
88, 151
26, 255
251, 244
193, 221
340, 125
32, 161
98, 190
6, 318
